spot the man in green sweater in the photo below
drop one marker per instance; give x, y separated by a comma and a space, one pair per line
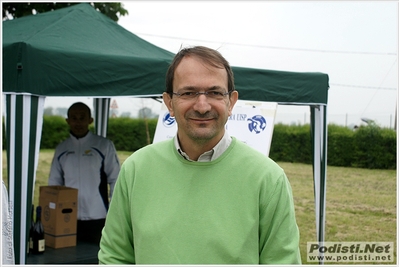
202, 197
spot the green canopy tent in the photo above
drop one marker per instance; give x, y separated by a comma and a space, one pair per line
79, 52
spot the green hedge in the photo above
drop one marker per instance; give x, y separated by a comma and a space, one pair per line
367, 147
291, 144
131, 134
340, 146
374, 148
55, 129
126, 133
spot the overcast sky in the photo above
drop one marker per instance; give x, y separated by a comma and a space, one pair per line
355, 43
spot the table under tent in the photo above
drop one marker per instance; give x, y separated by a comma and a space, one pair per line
79, 52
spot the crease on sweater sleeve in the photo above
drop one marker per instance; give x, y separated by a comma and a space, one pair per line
116, 245
278, 230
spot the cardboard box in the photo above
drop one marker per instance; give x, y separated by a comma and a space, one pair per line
59, 215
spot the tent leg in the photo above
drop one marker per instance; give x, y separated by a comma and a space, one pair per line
319, 135
101, 114
23, 145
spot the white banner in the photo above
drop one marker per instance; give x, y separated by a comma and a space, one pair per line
252, 122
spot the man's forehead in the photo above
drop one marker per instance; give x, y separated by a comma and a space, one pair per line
195, 65
193, 59
78, 112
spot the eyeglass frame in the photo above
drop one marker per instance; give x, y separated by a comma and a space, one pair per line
206, 93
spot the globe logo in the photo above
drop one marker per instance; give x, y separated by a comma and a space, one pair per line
168, 121
257, 124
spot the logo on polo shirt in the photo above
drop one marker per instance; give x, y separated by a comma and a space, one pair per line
87, 152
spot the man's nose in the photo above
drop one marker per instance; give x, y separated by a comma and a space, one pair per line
202, 104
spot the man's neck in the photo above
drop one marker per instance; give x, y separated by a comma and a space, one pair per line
78, 137
195, 149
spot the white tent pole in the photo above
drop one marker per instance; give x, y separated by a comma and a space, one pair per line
101, 114
316, 166
323, 170
22, 155
25, 176
320, 168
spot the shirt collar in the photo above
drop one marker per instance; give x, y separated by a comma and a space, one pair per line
210, 155
81, 139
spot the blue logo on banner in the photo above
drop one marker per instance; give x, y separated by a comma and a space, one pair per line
168, 120
257, 124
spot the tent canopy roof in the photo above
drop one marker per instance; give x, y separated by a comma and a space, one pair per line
281, 86
77, 51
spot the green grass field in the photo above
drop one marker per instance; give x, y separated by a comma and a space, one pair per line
361, 203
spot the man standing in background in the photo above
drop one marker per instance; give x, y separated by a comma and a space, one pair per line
89, 163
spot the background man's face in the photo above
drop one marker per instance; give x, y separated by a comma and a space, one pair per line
79, 121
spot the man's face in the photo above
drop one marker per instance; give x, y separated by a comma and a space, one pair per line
201, 119
79, 121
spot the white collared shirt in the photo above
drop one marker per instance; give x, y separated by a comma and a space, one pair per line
210, 155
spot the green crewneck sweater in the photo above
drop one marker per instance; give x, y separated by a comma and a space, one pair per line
237, 209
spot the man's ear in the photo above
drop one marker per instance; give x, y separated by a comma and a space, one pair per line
233, 100
167, 99
91, 120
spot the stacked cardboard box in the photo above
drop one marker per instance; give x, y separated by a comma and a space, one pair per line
59, 215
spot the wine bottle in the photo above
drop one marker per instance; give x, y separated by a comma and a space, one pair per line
38, 233
32, 226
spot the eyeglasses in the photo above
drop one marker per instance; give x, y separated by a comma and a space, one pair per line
191, 95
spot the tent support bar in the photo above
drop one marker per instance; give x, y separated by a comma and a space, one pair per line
101, 114
319, 136
23, 132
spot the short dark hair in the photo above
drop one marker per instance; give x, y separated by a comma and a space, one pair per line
210, 56
80, 105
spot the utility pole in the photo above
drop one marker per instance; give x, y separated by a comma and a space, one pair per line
114, 107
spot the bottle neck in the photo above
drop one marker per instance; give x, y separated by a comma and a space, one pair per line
38, 213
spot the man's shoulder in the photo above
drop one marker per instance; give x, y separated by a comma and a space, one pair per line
98, 138
246, 149
159, 147
64, 143
154, 152
253, 156
90, 138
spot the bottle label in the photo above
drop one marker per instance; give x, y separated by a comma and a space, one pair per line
41, 245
